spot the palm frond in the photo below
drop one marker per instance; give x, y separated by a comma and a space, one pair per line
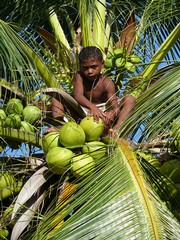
155, 115
116, 202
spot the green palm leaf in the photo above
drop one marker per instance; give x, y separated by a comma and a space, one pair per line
154, 116
116, 202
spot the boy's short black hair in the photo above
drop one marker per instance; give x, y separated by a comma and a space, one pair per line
90, 52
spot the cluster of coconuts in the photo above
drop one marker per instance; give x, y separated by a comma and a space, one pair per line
75, 147
15, 115
119, 60
171, 168
9, 185
170, 171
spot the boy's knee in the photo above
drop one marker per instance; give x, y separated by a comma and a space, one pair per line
130, 100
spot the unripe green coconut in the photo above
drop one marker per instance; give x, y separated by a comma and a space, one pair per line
31, 114
2, 114
82, 165
93, 130
109, 55
171, 169
130, 67
95, 149
134, 58
10, 190
6, 179
13, 121
165, 188
25, 126
3, 232
71, 135
14, 106
109, 63
120, 62
58, 159
50, 140
119, 52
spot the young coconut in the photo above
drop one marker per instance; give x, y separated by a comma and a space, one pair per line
93, 130
82, 165
50, 140
31, 114
2, 114
25, 126
71, 135
14, 106
171, 169
95, 149
6, 179
13, 121
58, 159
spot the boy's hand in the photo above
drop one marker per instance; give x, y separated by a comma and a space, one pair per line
97, 113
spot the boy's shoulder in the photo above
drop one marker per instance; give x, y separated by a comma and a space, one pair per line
106, 79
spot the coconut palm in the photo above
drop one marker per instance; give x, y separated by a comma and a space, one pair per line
127, 196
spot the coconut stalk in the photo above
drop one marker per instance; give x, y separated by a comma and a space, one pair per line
156, 60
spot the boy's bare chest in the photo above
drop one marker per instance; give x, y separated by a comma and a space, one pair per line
96, 93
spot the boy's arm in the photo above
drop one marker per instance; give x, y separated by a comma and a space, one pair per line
82, 100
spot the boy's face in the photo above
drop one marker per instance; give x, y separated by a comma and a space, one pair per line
91, 68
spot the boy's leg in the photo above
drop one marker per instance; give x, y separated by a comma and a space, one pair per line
57, 112
57, 109
126, 106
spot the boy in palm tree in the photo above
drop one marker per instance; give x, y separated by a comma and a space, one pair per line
96, 92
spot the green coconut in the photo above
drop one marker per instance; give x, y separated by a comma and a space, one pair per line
58, 159
6, 179
82, 165
14, 105
120, 62
31, 114
50, 140
130, 67
25, 126
2, 114
71, 135
165, 188
10, 190
171, 169
119, 52
13, 121
109, 63
95, 149
93, 130
3, 232
134, 58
